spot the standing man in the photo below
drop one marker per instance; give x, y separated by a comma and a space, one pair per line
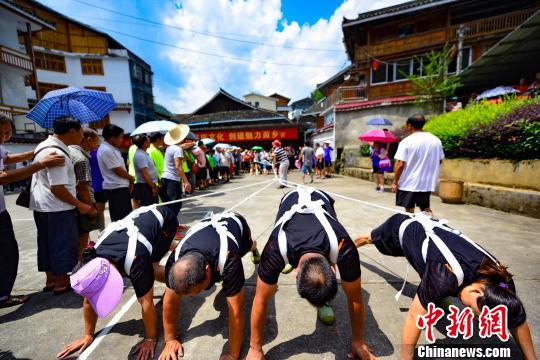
53, 200
156, 144
174, 172
117, 182
418, 159
306, 157
200, 157
281, 160
327, 158
307, 236
9, 256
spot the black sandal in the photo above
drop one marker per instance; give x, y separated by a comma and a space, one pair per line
14, 301
63, 291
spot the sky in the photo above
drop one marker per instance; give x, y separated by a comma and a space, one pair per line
196, 47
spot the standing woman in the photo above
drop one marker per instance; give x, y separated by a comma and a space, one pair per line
146, 190
280, 158
173, 173
378, 158
449, 264
117, 182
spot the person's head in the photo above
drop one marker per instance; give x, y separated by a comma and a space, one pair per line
325, 145
276, 143
113, 134
316, 280
6, 128
415, 123
317, 146
141, 141
190, 275
68, 130
522, 81
156, 138
494, 288
90, 139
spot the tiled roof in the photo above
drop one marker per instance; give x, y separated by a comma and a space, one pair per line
373, 103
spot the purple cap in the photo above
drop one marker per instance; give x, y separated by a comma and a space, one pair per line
100, 283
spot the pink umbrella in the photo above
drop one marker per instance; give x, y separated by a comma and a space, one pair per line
383, 136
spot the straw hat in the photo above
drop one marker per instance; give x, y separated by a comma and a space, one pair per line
176, 134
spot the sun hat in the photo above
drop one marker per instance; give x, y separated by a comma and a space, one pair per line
100, 283
176, 134
276, 143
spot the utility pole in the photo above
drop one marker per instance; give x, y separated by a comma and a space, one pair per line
460, 37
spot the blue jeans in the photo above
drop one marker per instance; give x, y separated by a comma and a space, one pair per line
57, 239
171, 190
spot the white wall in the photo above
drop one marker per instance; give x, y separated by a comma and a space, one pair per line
12, 86
116, 80
264, 102
8, 29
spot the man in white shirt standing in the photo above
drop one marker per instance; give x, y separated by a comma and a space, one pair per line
418, 160
54, 199
117, 182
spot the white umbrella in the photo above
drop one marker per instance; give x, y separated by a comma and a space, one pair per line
161, 126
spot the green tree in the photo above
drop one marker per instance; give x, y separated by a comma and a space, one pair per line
317, 95
434, 83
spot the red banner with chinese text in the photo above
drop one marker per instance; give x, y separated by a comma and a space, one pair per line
230, 136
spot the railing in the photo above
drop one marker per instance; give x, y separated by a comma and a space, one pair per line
408, 43
15, 58
343, 94
495, 24
12, 111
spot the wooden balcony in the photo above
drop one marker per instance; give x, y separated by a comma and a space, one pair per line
495, 25
344, 94
409, 43
12, 111
15, 58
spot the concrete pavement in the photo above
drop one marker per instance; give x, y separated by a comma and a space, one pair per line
40, 328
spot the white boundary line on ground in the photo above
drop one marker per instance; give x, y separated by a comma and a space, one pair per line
107, 329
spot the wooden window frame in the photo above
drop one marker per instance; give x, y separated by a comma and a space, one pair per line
92, 66
50, 62
49, 87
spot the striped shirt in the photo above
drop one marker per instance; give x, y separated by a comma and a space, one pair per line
280, 155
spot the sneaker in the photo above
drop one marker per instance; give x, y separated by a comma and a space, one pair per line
287, 269
325, 314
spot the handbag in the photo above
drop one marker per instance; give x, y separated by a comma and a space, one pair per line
385, 164
24, 197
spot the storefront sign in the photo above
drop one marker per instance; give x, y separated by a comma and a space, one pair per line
230, 136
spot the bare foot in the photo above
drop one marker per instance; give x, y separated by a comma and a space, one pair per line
362, 240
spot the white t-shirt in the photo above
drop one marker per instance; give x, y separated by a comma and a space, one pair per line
224, 159
3, 155
41, 197
109, 157
169, 170
319, 152
422, 153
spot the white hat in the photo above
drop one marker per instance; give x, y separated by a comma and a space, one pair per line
176, 134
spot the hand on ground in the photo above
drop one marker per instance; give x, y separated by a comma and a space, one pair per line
78, 345
254, 354
145, 350
361, 351
172, 350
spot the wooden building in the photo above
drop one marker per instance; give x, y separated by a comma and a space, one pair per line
75, 54
228, 119
385, 44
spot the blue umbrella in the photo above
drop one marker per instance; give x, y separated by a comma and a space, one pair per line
379, 121
161, 126
82, 104
496, 92
208, 141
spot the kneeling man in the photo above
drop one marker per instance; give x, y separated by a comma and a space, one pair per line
211, 251
308, 236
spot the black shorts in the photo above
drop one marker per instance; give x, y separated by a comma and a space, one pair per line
320, 164
411, 199
327, 163
201, 174
100, 196
224, 169
377, 170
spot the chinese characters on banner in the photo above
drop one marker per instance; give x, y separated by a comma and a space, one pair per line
230, 136
491, 322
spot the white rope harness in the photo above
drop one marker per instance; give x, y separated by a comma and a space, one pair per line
306, 205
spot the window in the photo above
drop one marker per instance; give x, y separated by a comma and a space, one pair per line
147, 78
329, 118
46, 87
380, 75
50, 62
465, 60
92, 66
257, 104
402, 68
405, 30
148, 100
137, 72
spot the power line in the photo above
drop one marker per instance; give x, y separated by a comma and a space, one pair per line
221, 56
218, 36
